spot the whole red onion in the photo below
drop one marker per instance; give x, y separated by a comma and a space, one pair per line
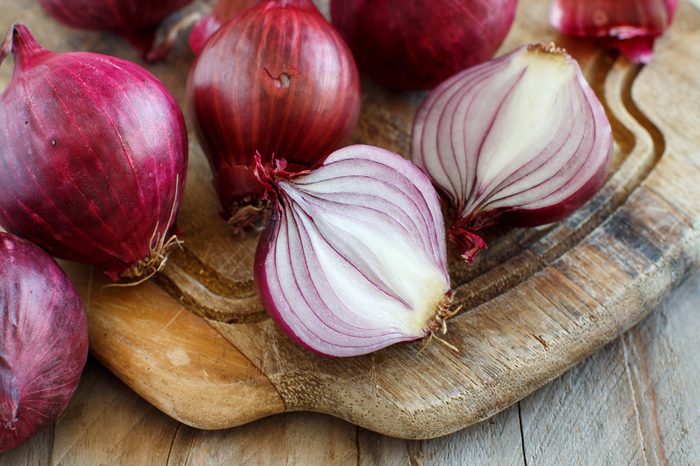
353, 259
135, 20
419, 43
93, 152
207, 26
521, 139
630, 26
279, 80
43, 340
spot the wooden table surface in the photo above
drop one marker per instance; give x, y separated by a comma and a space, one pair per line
634, 402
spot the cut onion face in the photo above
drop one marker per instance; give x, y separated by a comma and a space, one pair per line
353, 259
631, 26
522, 138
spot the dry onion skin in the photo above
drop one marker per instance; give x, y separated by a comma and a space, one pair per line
353, 259
43, 340
521, 139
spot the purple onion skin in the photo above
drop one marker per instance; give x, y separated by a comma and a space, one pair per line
135, 20
561, 210
43, 340
265, 244
417, 44
279, 80
93, 155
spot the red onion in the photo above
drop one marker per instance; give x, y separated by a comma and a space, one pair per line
630, 26
135, 20
207, 26
353, 259
43, 340
93, 156
276, 79
522, 139
419, 43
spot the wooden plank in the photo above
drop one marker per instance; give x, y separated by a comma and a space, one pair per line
198, 378
299, 438
34, 452
496, 441
635, 402
107, 423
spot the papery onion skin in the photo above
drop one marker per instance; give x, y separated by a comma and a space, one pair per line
521, 139
631, 26
353, 259
278, 80
93, 157
418, 44
43, 340
135, 20
223, 11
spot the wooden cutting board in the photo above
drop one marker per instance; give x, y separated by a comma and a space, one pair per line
197, 344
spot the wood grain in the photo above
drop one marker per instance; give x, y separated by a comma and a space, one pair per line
635, 402
197, 377
538, 303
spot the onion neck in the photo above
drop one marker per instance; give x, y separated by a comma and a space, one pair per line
23, 46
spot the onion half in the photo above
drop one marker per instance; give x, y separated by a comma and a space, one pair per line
521, 139
353, 258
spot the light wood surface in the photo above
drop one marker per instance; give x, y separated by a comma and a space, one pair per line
633, 402
538, 303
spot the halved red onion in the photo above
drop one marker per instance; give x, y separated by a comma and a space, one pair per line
631, 26
353, 258
522, 139
43, 340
